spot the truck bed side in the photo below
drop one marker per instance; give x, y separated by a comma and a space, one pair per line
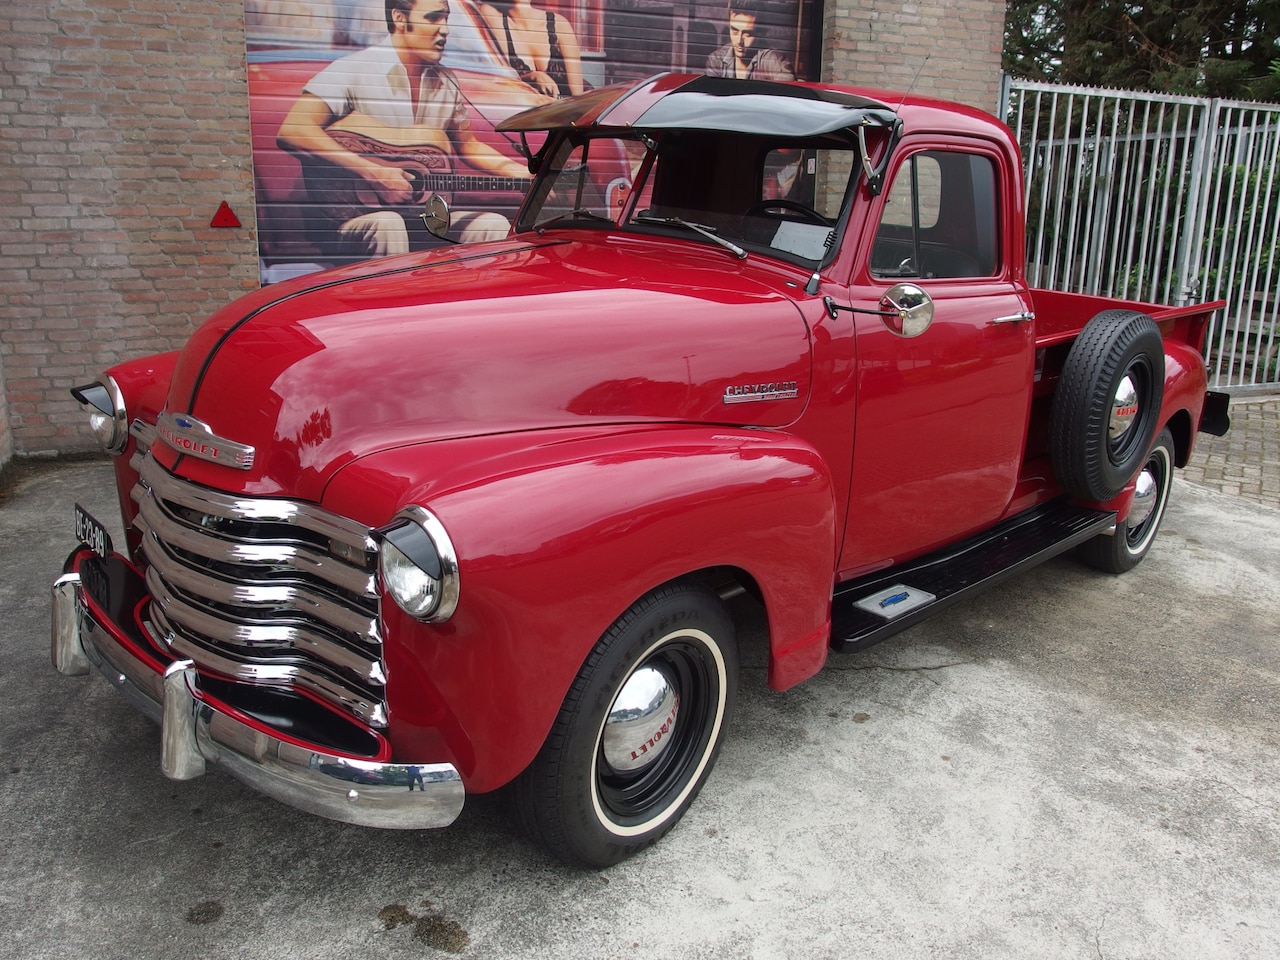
1061, 316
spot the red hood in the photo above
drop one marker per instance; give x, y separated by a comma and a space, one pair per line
529, 333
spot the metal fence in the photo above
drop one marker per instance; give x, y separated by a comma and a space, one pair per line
1158, 198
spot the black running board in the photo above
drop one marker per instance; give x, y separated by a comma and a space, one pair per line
907, 594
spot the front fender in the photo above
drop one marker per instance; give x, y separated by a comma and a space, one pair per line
143, 383
557, 534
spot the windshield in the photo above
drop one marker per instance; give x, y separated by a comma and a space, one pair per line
747, 193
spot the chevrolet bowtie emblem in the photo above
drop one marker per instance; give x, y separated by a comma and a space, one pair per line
188, 435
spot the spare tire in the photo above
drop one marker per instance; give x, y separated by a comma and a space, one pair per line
1107, 408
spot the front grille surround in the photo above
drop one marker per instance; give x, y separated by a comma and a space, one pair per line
263, 591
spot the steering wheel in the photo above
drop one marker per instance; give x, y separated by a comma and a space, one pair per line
808, 213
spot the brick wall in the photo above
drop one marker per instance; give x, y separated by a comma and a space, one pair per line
123, 125
6, 435
953, 45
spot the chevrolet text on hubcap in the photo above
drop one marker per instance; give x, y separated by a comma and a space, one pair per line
656, 739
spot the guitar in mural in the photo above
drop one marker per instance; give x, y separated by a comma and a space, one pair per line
423, 152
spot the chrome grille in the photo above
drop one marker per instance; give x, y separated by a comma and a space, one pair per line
263, 591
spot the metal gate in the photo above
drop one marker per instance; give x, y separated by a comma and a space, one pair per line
1158, 198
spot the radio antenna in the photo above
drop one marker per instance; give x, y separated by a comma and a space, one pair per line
946, 6
919, 70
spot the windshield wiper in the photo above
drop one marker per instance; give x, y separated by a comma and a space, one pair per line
578, 214
699, 228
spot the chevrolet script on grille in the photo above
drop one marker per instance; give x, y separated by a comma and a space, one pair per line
188, 435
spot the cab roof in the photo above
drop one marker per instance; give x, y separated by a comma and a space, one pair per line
684, 101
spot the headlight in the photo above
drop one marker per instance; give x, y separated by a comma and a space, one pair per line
419, 566
414, 589
108, 418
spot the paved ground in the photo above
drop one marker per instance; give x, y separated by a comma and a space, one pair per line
1072, 766
1246, 462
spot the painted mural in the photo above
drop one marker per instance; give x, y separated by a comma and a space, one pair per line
361, 108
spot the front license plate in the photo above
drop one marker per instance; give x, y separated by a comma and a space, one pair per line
91, 533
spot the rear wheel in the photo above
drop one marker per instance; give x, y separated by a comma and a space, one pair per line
638, 732
1125, 548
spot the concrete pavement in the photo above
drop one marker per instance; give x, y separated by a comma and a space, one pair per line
1071, 766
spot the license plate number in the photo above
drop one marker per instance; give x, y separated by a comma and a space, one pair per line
91, 533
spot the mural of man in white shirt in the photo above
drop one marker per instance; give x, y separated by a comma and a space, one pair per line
399, 84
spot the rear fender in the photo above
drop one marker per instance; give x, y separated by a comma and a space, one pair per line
1185, 382
557, 535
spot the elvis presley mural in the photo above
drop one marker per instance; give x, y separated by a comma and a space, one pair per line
362, 108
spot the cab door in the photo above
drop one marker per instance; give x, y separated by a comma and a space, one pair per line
943, 405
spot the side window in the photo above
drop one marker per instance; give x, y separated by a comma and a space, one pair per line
918, 187
939, 219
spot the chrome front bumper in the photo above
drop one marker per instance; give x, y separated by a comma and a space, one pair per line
196, 730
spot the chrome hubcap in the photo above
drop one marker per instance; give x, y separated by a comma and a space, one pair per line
641, 720
1144, 497
1124, 408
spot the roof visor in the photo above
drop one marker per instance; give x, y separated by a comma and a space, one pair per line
710, 103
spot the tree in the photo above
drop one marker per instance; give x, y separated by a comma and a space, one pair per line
1220, 48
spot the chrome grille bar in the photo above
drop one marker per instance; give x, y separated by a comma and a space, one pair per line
267, 597
145, 434
296, 559
268, 672
261, 636
269, 592
256, 509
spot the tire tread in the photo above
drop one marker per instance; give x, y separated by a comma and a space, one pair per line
534, 796
1082, 407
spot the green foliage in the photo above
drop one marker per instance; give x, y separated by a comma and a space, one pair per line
1216, 48
1033, 36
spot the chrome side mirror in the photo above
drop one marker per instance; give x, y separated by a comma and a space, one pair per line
908, 309
435, 215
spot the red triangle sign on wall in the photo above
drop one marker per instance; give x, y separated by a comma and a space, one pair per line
225, 217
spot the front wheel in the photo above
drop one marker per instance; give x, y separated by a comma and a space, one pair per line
638, 732
1124, 549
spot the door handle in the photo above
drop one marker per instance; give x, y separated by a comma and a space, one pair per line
1024, 317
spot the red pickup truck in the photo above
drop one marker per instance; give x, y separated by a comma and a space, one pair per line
493, 516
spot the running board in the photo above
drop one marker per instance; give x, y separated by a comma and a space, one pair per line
875, 607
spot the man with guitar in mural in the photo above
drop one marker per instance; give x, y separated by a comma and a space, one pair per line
377, 130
